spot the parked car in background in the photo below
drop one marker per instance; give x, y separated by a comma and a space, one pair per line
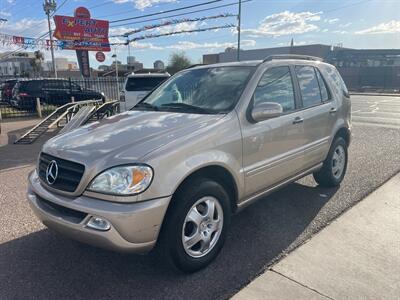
137, 86
6, 90
203, 145
50, 91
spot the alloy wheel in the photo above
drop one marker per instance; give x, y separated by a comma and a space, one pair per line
338, 161
202, 227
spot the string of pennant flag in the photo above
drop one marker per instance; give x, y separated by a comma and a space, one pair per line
150, 36
28, 43
174, 22
45, 44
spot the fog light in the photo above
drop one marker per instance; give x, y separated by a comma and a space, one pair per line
98, 224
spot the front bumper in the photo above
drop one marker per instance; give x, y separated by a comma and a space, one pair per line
134, 226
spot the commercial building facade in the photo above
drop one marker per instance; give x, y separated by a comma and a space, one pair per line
360, 68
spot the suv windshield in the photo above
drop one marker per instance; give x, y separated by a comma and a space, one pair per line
134, 84
205, 90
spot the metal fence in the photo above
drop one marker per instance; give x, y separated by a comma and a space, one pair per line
52, 93
379, 79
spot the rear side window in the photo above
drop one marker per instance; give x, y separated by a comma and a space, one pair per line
337, 80
33, 86
276, 86
143, 83
322, 86
309, 86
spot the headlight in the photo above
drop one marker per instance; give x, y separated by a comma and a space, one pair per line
123, 180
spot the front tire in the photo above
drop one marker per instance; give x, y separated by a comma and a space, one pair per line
335, 165
196, 225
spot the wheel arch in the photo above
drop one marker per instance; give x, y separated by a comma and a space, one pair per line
213, 172
345, 133
217, 173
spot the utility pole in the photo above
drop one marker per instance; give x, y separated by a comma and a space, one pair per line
49, 6
116, 67
238, 29
129, 55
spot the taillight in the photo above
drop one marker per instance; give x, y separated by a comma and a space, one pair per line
23, 94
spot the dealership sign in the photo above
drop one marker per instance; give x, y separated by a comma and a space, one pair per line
84, 45
82, 33
100, 56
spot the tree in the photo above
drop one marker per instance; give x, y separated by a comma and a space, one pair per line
178, 61
36, 62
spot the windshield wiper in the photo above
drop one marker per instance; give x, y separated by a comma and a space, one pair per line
188, 107
145, 105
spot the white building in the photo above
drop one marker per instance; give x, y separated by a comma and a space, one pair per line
16, 64
62, 64
133, 64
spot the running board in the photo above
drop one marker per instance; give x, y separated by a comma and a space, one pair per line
268, 191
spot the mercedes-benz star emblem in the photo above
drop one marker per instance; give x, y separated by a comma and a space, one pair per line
52, 172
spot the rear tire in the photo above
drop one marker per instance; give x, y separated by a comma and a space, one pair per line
196, 225
335, 165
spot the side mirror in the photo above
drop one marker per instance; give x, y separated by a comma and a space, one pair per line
266, 110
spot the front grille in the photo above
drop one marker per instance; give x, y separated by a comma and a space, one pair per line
63, 212
69, 173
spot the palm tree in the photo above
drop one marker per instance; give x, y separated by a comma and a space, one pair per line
36, 62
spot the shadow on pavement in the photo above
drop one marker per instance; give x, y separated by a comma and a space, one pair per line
12, 155
46, 265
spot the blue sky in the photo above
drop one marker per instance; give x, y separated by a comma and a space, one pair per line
265, 23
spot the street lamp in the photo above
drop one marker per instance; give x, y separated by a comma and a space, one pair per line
49, 6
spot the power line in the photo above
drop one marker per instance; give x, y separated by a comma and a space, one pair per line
101, 4
346, 6
123, 12
181, 14
166, 11
43, 21
61, 5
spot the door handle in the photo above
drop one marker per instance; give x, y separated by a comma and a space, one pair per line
298, 120
333, 110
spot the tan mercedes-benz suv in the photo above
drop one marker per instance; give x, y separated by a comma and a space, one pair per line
207, 142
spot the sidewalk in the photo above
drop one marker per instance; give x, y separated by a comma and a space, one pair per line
11, 130
374, 94
356, 257
12, 155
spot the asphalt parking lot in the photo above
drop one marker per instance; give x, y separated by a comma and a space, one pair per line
38, 263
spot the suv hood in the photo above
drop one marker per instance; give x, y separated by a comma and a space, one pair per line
126, 137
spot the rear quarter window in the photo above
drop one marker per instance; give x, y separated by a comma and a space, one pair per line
337, 80
31, 86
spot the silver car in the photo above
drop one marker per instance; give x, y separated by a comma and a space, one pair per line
206, 143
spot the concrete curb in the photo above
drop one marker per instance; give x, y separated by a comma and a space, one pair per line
355, 257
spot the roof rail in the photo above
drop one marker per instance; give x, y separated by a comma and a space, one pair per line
292, 56
195, 65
